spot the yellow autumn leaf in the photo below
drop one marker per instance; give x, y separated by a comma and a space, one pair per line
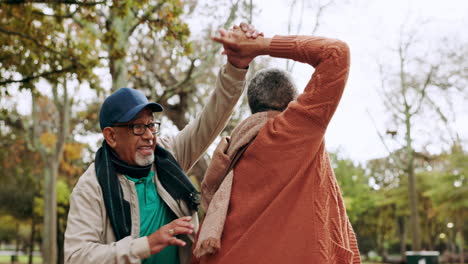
73, 151
48, 139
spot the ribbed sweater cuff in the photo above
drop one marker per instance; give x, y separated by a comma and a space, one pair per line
281, 46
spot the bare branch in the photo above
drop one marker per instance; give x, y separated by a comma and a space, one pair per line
188, 76
145, 17
423, 90
30, 78
387, 97
232, 14
389, 100
401, 52
318, 15
291, 12
89, 26
445, 120
290, 64
69, 15
390, 153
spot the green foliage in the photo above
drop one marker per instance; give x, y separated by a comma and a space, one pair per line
18, 179
377, 203
34, 45
63, 194
7, 228
353, 182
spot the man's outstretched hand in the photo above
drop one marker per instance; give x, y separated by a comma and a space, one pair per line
242, 44
166, 235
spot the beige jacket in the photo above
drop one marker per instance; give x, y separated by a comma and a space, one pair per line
89, 237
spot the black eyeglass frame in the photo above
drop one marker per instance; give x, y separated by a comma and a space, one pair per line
146, 126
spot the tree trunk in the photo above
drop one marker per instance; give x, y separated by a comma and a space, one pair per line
414, 217
402, 236
431, 234
60, 244
31, 241
50, 214
117, 49
412, 192
17, 238
460, 238
381, 243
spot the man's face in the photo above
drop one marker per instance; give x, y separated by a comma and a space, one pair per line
133, 149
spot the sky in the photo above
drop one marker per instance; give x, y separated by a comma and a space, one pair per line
372, 30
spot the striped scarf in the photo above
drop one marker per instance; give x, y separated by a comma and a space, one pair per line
171, 176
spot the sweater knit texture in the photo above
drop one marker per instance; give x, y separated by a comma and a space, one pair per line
285, 204
217, 181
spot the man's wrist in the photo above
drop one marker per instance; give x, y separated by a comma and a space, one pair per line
141, 247
233, 71
264, 46
238, 66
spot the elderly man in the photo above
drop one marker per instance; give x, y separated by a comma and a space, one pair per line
134, 203
270, 192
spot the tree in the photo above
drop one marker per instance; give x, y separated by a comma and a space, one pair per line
449, 194
390, 205
409, 94
115, 23
19, 178
48, 40
41, 43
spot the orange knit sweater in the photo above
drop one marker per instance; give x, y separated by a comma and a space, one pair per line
286, 206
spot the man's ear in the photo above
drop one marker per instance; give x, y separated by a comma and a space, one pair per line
109, 136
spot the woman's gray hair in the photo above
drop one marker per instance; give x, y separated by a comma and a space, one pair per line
270, 89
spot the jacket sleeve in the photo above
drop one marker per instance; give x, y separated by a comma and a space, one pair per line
84, 236
306, 119
196, 137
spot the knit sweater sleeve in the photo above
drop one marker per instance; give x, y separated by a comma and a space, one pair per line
331, 60
306, 119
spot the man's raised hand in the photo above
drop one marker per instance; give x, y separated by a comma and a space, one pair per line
242, 44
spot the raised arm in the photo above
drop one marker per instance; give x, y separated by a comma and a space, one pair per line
304, 121
196, 137
329, 57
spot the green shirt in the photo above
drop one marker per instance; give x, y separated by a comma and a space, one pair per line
154, 213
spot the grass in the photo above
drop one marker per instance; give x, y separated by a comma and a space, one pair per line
21, 259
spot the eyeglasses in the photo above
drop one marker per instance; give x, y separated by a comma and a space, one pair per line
140, 129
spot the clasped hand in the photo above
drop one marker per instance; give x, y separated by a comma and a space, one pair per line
241, 44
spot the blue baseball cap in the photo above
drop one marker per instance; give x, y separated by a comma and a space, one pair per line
123, 106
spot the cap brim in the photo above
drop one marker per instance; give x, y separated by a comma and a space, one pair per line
132, 114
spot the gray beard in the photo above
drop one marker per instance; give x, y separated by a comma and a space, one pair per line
144, 160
